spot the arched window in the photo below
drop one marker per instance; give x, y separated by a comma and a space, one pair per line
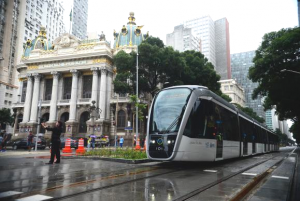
63, 118
121, 118
44, 118
82, 124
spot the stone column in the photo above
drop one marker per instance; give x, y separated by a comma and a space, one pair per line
102, 98
53, 102
73, 101
72, 123
27, 104
35, 98
108, 96
95, 84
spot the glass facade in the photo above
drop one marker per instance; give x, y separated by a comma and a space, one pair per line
240, 64
67, 88
48, 89
87, 86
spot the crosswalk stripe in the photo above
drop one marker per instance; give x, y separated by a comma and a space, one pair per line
34, 198
9, 194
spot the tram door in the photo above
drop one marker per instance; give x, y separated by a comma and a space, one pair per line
219, 146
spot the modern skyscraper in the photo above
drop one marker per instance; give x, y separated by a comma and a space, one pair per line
204, 29
222, 47
182, 39
47, 14
214, 38
79, 18
240, 64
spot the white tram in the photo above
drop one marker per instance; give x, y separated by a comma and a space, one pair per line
191, 123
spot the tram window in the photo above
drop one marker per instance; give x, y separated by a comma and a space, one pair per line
255, 134
246, 130
227, 123
200, 123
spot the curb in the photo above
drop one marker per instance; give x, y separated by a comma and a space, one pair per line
119, 160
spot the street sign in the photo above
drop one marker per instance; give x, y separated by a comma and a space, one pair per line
128, 128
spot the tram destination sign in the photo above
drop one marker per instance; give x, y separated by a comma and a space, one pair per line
128, 128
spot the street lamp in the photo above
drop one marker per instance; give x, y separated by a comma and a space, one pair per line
137, 95
285, 70
95, 113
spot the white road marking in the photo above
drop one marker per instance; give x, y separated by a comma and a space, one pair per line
34, 198
247, 173
279, 177
9, 194
210, 170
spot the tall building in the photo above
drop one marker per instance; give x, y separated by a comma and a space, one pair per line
43, 13
222, 47
79, 18
183, 39
215, 45
204, 29
240, 64
11, 34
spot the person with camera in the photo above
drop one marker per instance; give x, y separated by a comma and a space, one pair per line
55, 140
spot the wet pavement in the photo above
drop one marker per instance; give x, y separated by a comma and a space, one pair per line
84, 179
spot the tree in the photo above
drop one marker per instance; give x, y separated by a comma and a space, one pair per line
141, 107
278, 51
6, 117
250, 112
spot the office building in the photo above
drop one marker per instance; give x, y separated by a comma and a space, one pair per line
215, 45
79, 19
48, 14
183, 39
222, 47
240, 64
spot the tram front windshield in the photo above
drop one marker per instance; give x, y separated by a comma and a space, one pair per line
167, 110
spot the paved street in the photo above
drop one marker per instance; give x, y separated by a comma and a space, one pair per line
26, 175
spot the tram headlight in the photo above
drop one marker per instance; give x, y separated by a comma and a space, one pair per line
153, 141
169, 141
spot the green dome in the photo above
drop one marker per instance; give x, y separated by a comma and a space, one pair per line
130, 34
40, 42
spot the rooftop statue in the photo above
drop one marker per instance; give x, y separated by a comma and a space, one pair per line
102, 37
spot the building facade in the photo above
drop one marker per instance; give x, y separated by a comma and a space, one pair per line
11, 34
79, 18
240, 64
65, 77
182, 39
44, 13
222, 46
214, 36
234, 91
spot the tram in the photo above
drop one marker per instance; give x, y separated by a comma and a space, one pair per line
191, 123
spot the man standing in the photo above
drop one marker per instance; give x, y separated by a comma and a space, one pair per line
93, 140
29, 140
121, 141
55, 140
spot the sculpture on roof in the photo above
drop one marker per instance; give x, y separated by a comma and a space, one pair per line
66, 40
102, 37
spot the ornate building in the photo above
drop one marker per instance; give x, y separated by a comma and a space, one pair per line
66, 76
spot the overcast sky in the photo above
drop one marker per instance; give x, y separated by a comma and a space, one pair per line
248, 20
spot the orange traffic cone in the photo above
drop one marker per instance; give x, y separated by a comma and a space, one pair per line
67, 148
137, 146
80, 149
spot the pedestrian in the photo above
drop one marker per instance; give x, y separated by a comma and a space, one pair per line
29, 140
93, 140
121, 141
55, 140
89, 143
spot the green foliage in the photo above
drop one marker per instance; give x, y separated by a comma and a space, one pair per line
125, 153
250, 112
226, 97
278, 51
141, 107
6, 117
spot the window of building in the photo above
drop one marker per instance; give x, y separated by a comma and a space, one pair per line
48, 88
67, 88
121, 119
23, 96
87, 86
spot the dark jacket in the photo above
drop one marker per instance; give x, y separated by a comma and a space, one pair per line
56, 132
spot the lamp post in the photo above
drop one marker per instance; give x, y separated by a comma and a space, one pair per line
285, 70
39, 122
95, 113
137, 95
